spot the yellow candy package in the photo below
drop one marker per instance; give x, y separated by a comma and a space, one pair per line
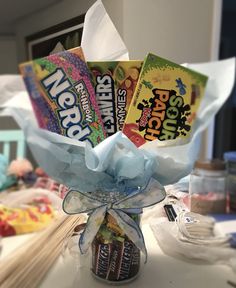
15, 221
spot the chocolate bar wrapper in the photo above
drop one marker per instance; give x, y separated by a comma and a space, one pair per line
125, 261
165, 102
115, 261
115, 83
63, 97
101, 254
114, 257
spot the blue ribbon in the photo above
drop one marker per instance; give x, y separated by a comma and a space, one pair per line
116, 205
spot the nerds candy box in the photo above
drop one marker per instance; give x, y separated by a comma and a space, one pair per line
63, 97
114, 83
165, 101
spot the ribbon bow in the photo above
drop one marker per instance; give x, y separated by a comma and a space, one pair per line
115, 204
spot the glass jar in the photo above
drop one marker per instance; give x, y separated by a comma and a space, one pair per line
115, 258
230, 158
207, 187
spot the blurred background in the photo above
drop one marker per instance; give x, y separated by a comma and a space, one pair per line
191, 31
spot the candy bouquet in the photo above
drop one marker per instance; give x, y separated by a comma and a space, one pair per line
116, 132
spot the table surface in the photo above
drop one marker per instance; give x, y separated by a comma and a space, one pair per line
161, 271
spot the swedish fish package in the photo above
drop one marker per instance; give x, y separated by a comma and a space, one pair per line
63, 97
165, 101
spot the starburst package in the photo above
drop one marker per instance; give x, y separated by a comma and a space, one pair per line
63, 97
115, 83
165, 101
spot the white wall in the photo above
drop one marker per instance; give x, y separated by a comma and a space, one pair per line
8, 55
8, 65
44, 19
59, 13
178, 30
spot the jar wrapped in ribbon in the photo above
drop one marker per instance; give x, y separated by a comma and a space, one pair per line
113, 228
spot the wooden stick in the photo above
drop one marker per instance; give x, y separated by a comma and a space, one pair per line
27, 266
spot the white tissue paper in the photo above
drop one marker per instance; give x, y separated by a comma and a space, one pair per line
169, 239
100, 39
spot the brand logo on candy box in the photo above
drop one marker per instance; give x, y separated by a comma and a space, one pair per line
164, 116
105, 96
65, 95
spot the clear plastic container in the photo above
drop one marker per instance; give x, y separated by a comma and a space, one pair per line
115, 258
230, 158
207, 187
